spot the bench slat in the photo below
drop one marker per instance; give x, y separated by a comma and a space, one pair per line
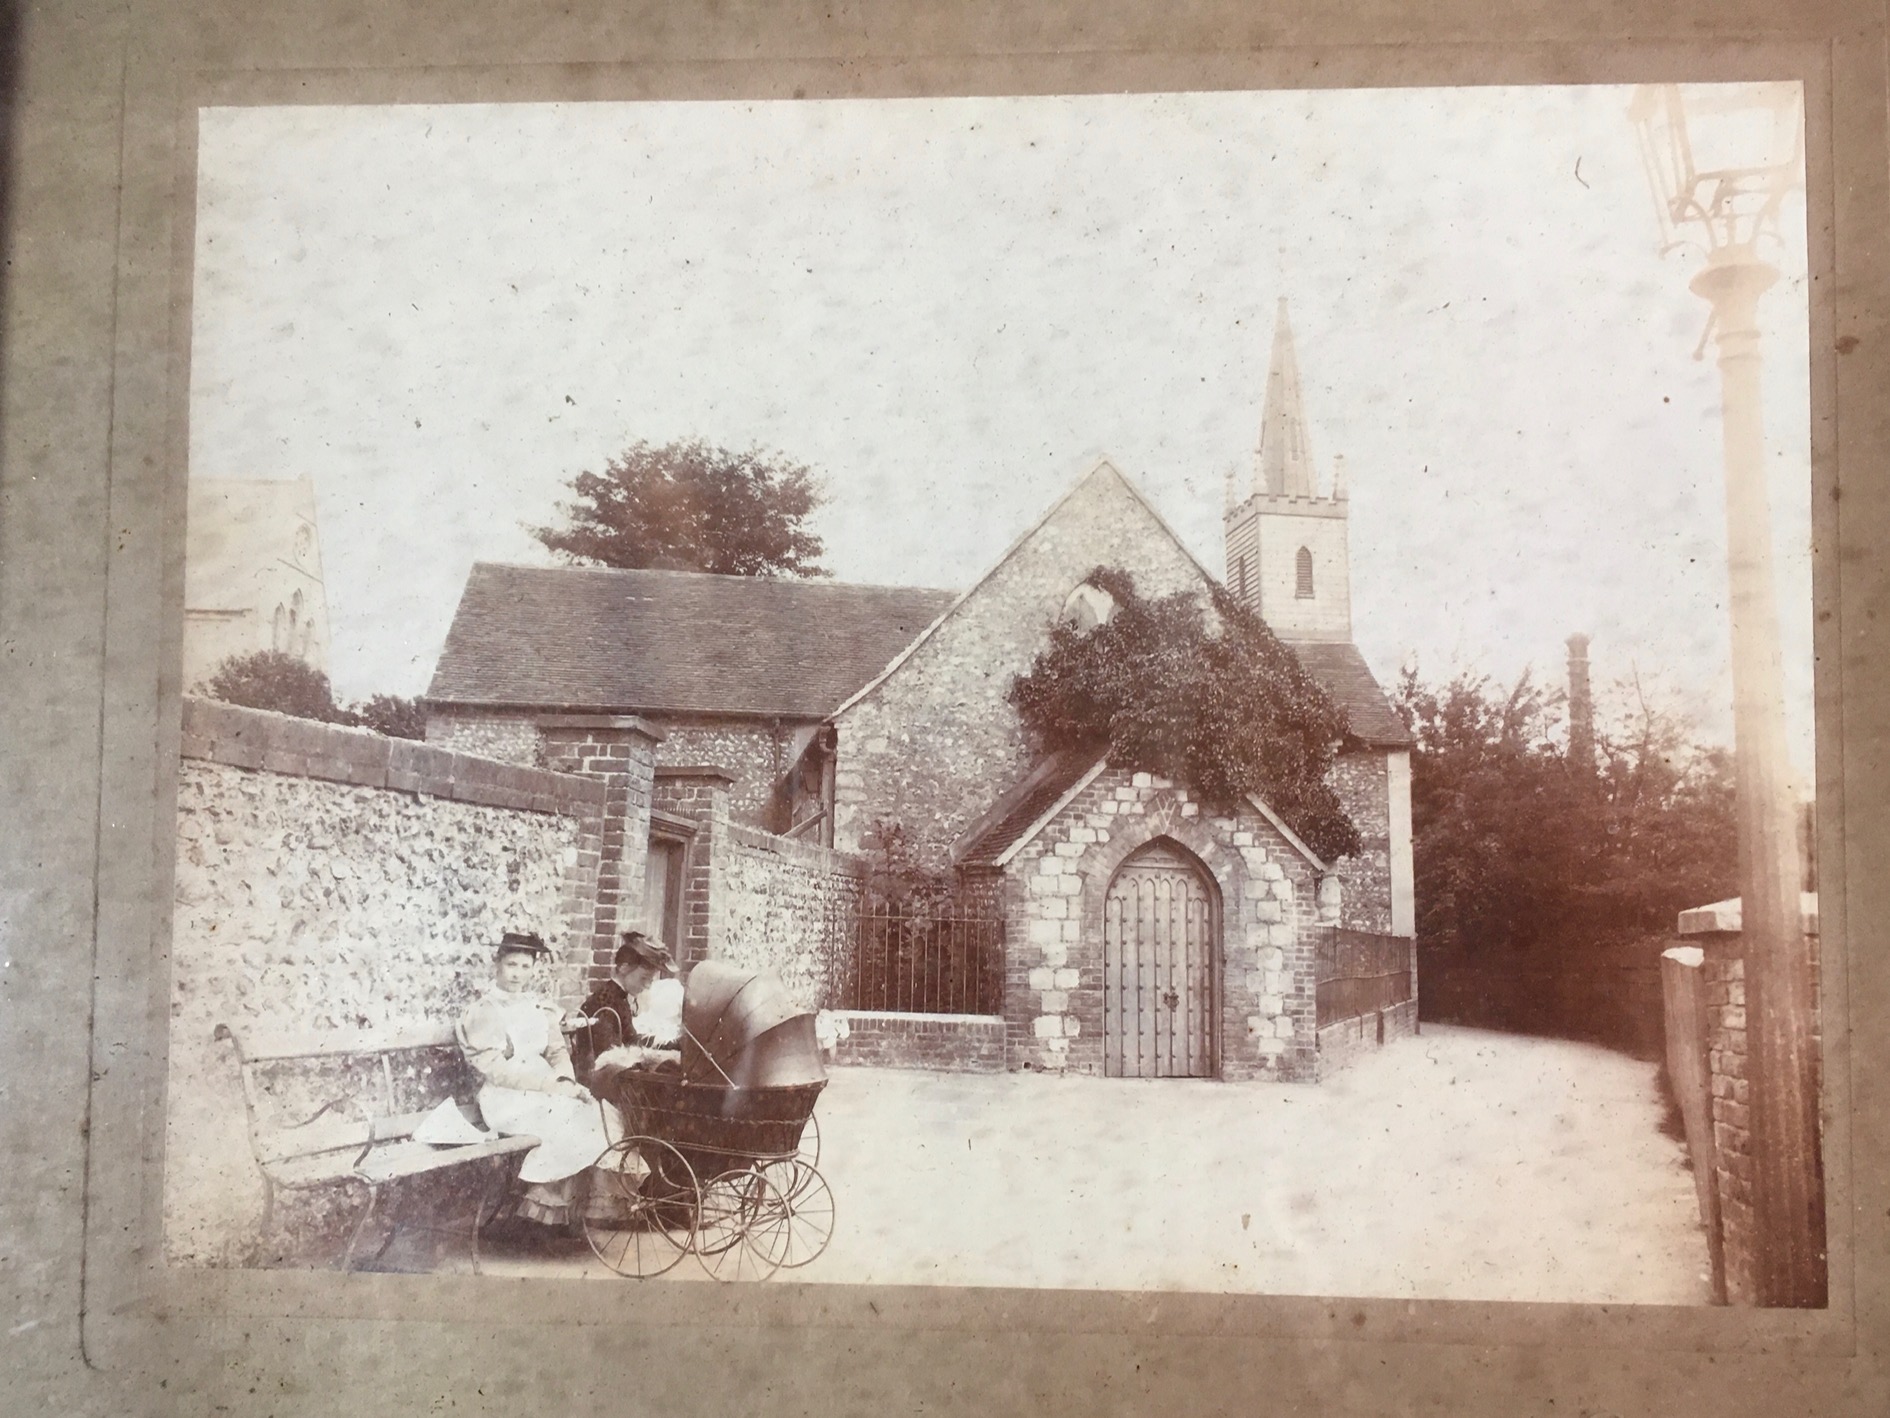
335, 1135
411, 1159
389, 1162
275, 1046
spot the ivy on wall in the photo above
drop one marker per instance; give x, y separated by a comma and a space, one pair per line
1215, 702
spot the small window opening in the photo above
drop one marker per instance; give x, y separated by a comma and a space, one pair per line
1304, 590
1240, 577
1087, 607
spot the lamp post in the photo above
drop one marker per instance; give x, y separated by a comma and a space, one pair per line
1721, 160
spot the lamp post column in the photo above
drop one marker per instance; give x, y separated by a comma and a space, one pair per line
1787, 1176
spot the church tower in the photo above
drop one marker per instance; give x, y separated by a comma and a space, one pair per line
1287, 555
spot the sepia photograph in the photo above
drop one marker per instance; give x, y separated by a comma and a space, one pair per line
1188, 692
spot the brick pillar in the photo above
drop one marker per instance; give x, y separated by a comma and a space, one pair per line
699, 794
1724, 983
1725, 987
619, 750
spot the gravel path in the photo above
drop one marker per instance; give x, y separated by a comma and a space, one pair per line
1458, 1165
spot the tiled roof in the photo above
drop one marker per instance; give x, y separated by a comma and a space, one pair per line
1014, 814
1341, 671
671, 641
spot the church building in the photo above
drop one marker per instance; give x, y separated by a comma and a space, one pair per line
1145, 932
252, 574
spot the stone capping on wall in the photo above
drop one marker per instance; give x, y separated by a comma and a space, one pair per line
694, 770
260, 740
807, 854
631, 722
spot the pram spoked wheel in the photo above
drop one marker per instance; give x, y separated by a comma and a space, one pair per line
810, 1208
644, 1217
745, 1230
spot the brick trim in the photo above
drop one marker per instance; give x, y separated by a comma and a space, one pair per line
259, 740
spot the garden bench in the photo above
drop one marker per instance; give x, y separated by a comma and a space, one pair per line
339, 1111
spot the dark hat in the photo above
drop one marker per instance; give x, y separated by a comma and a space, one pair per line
637, 946
527, 942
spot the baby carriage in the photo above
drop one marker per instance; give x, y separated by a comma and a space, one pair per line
720, 1157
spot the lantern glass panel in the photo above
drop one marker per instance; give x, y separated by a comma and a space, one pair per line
1750, 128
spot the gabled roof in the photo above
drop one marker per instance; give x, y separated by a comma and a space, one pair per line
1100, 468
1034, 802
676, 642
1027, 808
1341, 671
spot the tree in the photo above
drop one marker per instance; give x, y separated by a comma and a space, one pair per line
273, 680
1225, 708
1516, 845
391, 715
691, 507
270, 679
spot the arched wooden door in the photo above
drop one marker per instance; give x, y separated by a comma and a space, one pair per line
1161, 937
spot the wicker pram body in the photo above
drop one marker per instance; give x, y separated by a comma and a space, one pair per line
716, 1127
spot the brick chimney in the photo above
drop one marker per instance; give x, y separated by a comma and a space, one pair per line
1581, 708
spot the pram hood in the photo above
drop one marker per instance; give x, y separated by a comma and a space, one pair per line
741, 1028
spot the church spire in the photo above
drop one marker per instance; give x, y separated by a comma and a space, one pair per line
1282, 464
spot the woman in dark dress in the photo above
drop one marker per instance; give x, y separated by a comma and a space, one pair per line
610, 1009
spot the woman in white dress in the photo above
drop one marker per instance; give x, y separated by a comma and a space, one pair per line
511, 1035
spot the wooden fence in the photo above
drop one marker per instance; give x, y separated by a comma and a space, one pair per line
1358, 972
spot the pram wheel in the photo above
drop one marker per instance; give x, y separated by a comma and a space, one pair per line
809, 1150
810, 1209
746, 1227
643, 1214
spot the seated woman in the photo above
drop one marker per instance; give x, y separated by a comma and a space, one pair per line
510, 1035
611, 1012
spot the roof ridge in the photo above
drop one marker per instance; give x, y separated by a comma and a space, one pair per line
717, 576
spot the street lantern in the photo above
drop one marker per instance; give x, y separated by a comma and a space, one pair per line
1720, 160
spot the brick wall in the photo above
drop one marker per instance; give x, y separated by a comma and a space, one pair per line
329, 879
754, 756
1349, 1039
1055, 891
1360, 777
1725, 987
933, 746
953, 1043
619, 753
507, 737
1732, 1162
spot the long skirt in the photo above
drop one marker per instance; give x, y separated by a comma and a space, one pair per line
570, 1131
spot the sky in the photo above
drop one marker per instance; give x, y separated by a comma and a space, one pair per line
949, 308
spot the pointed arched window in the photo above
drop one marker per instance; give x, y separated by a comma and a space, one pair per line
1303, 563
